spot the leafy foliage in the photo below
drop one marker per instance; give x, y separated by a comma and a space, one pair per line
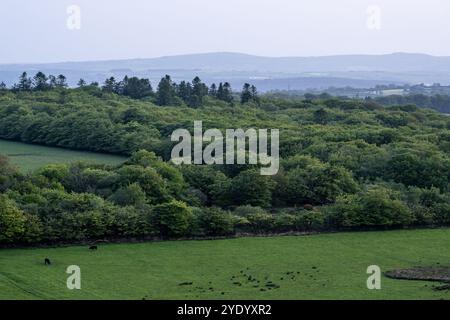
345, 164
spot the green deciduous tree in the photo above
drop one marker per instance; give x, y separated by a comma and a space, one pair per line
251, 188
12, 221
172, 219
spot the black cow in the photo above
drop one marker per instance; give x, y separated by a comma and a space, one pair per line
47, 262
93, 248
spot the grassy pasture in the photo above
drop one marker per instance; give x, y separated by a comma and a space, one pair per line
28, 157
327, 266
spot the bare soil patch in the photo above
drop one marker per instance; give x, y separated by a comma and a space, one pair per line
437, 274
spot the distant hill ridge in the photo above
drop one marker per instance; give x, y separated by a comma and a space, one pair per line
245, 62
271, 72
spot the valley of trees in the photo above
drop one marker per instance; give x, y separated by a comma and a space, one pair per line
345, 164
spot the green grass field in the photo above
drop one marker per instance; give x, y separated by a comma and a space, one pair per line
29, 157
327, 266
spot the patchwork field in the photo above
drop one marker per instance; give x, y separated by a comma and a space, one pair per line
327, 266
29, 157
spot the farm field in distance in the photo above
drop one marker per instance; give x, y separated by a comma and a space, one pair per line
28, 157
325, 266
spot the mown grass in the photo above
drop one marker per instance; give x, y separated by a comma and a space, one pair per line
327, 266
28, 157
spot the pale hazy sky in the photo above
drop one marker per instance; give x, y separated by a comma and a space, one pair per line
36, 30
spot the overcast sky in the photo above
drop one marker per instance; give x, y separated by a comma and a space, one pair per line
37, 31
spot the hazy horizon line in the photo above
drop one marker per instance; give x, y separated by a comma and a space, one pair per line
224, 52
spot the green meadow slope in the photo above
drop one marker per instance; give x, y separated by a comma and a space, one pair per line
327, 266
28, 157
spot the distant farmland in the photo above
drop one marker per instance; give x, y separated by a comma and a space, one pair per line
29, 157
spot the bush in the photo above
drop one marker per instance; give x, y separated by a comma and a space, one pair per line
381, 207
12, 221
207, 179
54, 172
260, 222
7, 172
376, 207
311, 220
131, 222
33, 229
251, 188
154, 186
423, 203
172, 219
441, 213
285, 222
131, 195
213, 222
311, 182
245, 211
415, 167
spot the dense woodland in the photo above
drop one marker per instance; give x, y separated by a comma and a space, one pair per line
345, 164
438, 102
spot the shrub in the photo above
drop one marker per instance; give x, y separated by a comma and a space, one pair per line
381, 207
131, 195
154, 186
54, 172
213, 222
260, 222
376, 207
441, 213
12, 221
7, 172
245, 211
131, 222
312, 220
33, 232
251, 188
285, 222
172, 219
313, 182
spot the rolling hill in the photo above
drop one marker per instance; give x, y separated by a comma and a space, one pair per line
294, 73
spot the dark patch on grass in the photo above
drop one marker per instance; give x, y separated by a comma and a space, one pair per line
441, 274
271, 285
437, 274
444, 287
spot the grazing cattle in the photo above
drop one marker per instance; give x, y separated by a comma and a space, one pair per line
92, 248
47, 262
